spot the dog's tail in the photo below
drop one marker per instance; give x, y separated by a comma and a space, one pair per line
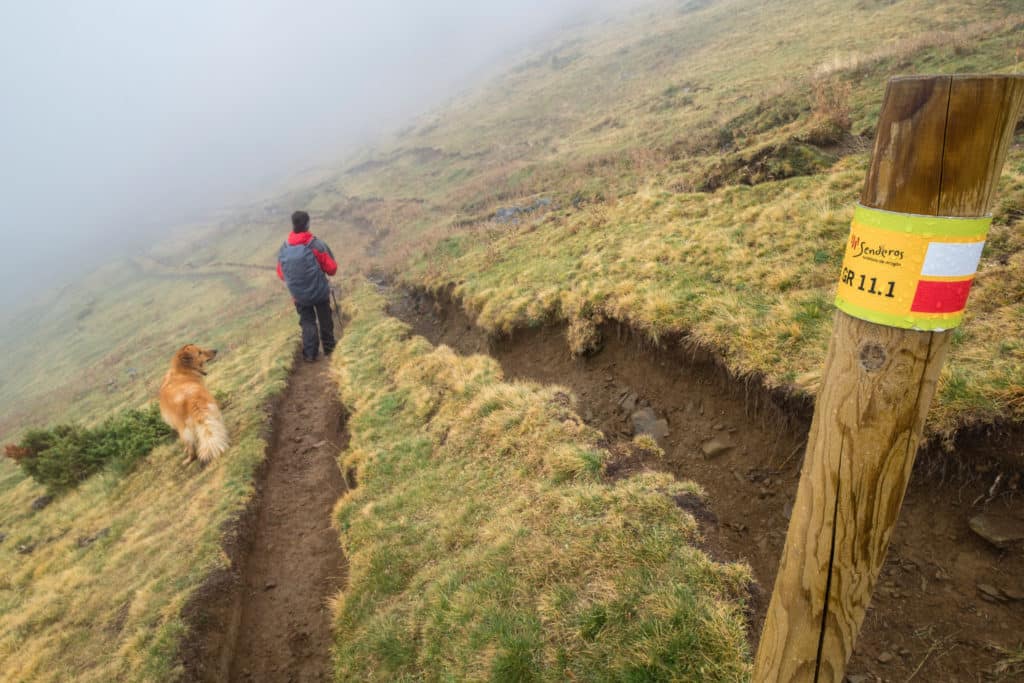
211, 434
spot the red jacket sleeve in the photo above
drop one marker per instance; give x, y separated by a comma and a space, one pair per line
280, 273
327, 264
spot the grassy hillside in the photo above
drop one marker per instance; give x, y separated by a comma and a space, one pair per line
698, 161
701, 162
104, 343
485, 541
93, 585
690, 167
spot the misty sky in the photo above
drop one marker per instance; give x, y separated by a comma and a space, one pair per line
118, 118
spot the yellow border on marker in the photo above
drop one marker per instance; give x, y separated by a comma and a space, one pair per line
946, 278
924, 322
917, 224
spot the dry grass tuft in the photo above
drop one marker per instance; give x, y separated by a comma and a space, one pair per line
583, 336
830, 117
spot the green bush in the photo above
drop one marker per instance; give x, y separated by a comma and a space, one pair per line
61, 457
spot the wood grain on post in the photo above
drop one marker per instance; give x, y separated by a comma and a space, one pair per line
939, 150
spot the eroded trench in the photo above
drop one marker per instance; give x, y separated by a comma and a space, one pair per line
931, 618
267, 618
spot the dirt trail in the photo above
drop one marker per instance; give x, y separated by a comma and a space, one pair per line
928, 619
295, 562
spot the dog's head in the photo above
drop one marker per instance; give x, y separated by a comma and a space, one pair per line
192, 358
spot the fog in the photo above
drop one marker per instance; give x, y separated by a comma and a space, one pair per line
120, 119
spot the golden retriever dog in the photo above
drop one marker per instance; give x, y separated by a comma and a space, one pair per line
187, 405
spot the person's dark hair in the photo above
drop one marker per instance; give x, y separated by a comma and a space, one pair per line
300, 221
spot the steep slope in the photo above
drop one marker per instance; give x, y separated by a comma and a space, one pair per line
698, 160
687, 169
693, 170
95, 584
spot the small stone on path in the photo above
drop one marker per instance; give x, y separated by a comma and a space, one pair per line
885, 657
989, 591
1012, 594
998, 530
646, 421
715, 448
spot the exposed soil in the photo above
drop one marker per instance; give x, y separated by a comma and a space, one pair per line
928, 620
295, 563
267, 619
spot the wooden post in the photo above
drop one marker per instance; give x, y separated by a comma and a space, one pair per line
939, 150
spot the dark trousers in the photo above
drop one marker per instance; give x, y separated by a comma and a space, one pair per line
308, 318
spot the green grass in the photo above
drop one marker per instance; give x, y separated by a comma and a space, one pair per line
113, 562
702, 160
619, 124
485, 543
64, 456
749, 270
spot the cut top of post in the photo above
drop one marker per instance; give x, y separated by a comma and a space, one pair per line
938, 137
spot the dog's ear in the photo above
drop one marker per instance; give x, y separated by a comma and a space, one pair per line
186, 357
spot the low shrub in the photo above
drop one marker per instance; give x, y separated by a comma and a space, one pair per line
61, 457
830, 116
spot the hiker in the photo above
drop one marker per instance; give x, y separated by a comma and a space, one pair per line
303, 263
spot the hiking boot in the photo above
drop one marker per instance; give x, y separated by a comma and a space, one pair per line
308, 359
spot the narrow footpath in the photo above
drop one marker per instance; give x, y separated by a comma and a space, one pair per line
295, 564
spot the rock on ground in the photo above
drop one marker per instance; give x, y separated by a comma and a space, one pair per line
715, 448
998, 530
646, 421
